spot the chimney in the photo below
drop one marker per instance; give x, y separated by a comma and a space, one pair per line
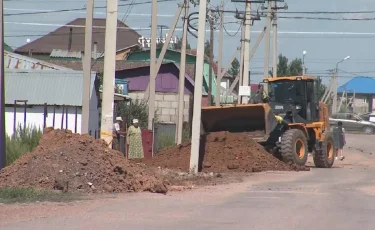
95, 50
70, 38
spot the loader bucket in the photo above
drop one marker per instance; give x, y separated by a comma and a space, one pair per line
257, 120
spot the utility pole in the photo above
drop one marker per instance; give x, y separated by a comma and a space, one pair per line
87, 68
268, 40
211, 22
239, 100
196, 126
274, 10
2, 91
274, 63
109, 71
246, 64
303, 63
220, 58
335, 85
153, 73
181, 80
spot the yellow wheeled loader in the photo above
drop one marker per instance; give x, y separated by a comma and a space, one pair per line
289, 121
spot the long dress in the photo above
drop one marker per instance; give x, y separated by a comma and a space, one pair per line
135, 143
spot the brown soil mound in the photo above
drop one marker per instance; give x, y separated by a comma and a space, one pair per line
222, 152
71, 162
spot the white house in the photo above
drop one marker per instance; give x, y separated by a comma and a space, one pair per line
53, 97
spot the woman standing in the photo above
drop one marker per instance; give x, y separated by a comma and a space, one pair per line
134, 141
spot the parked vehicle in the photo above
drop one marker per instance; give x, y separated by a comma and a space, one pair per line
352, 122
368, 116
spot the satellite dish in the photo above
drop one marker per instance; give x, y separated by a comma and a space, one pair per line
28, 40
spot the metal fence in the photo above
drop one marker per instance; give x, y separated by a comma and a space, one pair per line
164, 135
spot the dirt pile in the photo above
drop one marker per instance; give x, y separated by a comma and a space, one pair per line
222, 152
71, 162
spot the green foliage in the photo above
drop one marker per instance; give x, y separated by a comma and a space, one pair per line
235, 68
178, 45
321, 89
234, 71
284, 68
22, 195
138, 109
23, 141
166, 140
207, 49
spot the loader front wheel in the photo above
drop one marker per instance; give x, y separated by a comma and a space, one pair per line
294, 147
325, 157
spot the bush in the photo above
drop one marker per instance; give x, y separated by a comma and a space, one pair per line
165, 141
28, 194
24, 140
138, 109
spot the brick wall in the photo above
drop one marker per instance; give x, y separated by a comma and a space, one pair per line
166, 105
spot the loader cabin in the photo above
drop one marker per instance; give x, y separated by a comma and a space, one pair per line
296, 96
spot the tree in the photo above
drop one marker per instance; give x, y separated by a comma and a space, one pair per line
207, 49
321, 88
178, 45
234, 71
294, 68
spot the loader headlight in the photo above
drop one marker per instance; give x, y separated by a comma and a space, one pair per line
298, 107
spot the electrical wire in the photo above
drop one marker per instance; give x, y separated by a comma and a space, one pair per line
232, 35
79, 9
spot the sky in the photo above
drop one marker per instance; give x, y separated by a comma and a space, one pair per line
325, 42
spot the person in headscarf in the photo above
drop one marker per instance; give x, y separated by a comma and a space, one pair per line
134, 141
117, 133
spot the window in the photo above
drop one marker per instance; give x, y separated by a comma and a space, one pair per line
341, 116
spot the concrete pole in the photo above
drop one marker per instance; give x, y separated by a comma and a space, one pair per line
160, 59
2, 91
275, 41
87, 68
153, 73
109, 71
334, 102
196, 126
181, 80
267, 41
239, 99
246, 60
211, 62
220, 57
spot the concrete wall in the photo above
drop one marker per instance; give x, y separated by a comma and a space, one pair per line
166, 105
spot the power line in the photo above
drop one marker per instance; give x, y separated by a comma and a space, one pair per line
78, 9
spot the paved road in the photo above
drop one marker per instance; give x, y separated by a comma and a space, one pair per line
339, 198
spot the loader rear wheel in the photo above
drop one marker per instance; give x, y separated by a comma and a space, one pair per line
325, 157
294, 147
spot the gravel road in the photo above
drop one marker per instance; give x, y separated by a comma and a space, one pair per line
339, 198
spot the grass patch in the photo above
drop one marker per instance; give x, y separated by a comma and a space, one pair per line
28, 195
23, 141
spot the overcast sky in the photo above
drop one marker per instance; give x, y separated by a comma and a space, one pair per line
354, 38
